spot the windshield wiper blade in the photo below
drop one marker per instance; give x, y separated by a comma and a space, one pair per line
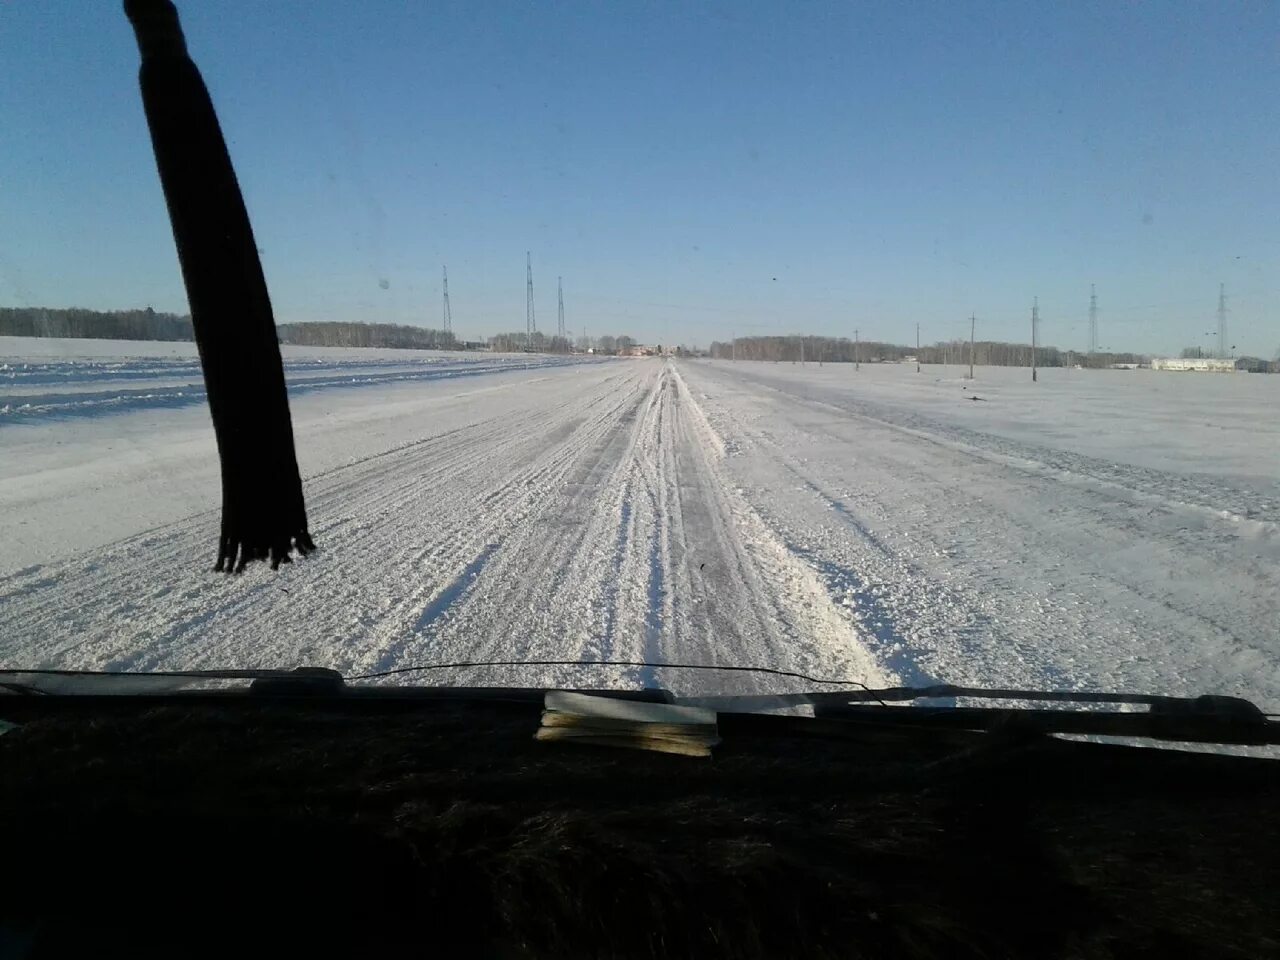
193, 674
108, 682
22, 689
1208, 727
943, 691
650, 664
1198, 719
947, 691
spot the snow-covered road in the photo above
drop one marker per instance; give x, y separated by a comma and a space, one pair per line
577, 513
1037, 537
875, 527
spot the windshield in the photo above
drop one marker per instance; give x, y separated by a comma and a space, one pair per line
896, 345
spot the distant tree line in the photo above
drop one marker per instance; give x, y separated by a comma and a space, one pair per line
539, 342
366, 335
105, 325
521, 342
149, 325
843, 350
612, 345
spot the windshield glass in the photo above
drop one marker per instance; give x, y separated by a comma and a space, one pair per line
893, 344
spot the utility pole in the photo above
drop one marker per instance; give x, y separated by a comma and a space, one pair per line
733, 353
1222, 320
917, 348
857, 353
802, 351
973, 326
530, 323
1093, 320
1035, 322
448, 314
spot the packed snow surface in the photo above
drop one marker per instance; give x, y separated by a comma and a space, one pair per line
1097, 529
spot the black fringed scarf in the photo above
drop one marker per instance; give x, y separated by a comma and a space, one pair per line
263, 514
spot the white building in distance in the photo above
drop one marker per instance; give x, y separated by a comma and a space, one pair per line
1203, 364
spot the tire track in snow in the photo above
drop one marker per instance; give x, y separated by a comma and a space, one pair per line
495, 528
384, 518
550, 590
745, 597
95, 597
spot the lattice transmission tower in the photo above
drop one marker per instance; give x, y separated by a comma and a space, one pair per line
1093, 320
1222, 320
530, 323
560, 296
448, 313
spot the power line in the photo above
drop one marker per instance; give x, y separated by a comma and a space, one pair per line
448, 313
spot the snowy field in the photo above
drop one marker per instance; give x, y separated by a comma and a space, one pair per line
1099, 529
43, 378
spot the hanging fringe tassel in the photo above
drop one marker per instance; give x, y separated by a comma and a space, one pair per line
263, 513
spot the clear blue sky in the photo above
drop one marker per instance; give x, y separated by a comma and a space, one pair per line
691, 169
